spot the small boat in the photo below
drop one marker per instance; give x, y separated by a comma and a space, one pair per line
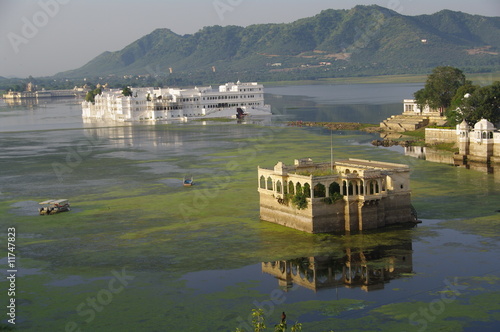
240, 114
54, 206
188, 182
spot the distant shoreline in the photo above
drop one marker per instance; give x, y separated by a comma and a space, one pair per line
477, 78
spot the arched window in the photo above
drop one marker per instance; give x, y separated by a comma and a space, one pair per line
484, 134
490, 134
344, 188
298, 188
278, 187
290, 188
307, 190
351, 189
319, 190
263, 182
362, 188
334, 188
269, 183
285, 188
372, 188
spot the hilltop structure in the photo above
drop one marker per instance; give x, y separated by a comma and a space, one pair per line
350, 195
163, 104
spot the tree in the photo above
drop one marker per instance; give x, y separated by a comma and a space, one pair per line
90, 97
440, 88
478, 103
127, 92
458, 111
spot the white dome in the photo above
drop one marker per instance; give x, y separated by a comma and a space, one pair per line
484, 124
463, 125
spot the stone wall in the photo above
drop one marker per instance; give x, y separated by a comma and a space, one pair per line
272, 211
320, 217
435, 135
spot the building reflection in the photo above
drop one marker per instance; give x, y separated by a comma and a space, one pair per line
449, 158
127, 135
368, 269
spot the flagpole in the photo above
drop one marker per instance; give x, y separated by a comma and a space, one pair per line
331, 151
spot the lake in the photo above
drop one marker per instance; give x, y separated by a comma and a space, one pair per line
140, 252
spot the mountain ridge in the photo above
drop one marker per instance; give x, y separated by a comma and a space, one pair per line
359, 41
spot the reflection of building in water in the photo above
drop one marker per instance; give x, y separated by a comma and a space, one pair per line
367, 269
430, 154
130, 136
449, 158
348, 195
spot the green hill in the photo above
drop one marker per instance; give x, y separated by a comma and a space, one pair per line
366, 40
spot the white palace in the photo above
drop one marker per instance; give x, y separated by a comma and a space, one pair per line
165, 104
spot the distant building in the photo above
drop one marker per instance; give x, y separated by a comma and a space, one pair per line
478, 144
160, 104
413, 117
32, 92
350, 195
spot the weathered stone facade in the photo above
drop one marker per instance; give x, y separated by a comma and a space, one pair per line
350, 195
478, 144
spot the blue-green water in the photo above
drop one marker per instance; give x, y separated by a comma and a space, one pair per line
140, 252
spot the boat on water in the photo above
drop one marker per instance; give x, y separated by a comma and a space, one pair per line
188, 182
54, 206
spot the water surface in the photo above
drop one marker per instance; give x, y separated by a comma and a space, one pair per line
199, 258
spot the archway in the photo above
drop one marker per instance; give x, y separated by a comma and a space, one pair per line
262, 182
319, 190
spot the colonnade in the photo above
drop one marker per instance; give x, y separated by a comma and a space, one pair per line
344, 187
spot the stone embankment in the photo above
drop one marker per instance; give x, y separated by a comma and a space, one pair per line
336, 125
391, 142
354, 126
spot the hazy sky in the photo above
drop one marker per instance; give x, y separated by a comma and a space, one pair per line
44, 37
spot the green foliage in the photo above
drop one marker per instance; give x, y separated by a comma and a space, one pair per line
480, 103
299, 200
259, 325
364, 41
334, 197
258, 320
440, 88
457, 111
90, 97
127, 92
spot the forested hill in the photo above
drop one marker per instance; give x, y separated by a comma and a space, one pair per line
365, 40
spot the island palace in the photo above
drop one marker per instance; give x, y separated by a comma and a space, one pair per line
349, 195
164, 104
